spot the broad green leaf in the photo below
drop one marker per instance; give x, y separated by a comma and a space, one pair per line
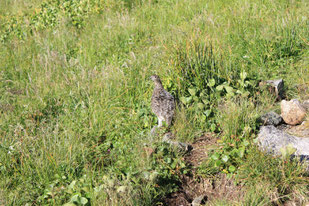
247, 83
189, 99
174, 164
153, 176
230, 95
211, 82
225, 158
245, 94
219, 88
232, 168
71, 186
69, 204
241, 152
213, 127
98, 189
86, 189
183, 100
245, 143
75, 198
218, 163
243, 75
192, 91
215, 156
83, 201
200, 105
88, 195
203, 118
234, 153
229, 89
205, 101
207, 112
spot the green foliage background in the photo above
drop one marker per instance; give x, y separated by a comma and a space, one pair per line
75, 95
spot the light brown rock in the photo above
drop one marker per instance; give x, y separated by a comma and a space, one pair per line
299, 130
292, 112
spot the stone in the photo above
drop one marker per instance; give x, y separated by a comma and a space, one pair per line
274, 86
182, 147
199, 200
271, 118
299, 130
290, 203
292, 112
274, 141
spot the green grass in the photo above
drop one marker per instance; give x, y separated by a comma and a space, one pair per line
75, 95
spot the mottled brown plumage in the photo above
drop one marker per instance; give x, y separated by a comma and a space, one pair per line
162, 102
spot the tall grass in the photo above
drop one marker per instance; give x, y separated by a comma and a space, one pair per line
75, 101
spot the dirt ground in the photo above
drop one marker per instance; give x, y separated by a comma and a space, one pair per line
192, 186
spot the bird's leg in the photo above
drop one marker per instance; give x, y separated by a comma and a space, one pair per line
169, 122
153, 131
160, 122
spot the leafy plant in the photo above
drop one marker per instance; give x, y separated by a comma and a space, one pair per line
168, 165
78, 191
48, 15
229, 156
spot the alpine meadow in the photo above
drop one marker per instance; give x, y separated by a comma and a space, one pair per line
75, 101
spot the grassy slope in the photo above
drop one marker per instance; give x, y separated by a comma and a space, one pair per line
72, 89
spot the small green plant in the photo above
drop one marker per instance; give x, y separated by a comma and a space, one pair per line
205, 83
168, 166
80, 192
49, 15
237, 122
229, 156
60, 190
75, 96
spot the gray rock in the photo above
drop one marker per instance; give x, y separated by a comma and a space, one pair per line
274, 141
199, 200
182, 147
275, 86
292, 112
271, 118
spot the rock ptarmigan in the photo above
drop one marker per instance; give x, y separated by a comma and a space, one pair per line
162, 102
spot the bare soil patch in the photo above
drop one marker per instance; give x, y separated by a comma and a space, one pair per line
192, 186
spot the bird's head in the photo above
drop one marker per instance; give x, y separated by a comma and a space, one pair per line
155, 78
